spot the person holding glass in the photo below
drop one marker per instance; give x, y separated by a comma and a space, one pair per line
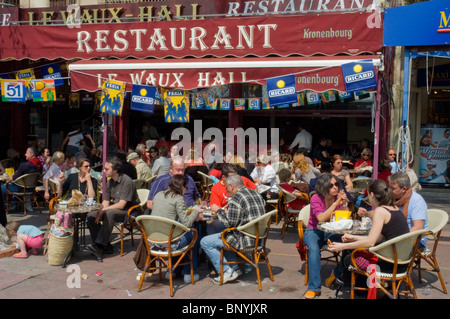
387, 222
81, 181
327, 199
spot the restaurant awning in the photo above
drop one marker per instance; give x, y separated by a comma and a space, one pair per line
346, 33
312, 73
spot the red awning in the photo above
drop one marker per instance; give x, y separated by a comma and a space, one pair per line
325, 34
312, 73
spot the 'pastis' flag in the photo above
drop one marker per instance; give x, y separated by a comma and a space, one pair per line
359, 75
143, 98
281, 90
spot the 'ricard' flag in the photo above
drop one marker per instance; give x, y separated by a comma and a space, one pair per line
143, 98
281, 90
359, 76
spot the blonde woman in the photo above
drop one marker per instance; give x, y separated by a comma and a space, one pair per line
54, 173
302, 170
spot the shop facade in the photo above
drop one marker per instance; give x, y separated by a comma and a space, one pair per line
422, 117
197, 53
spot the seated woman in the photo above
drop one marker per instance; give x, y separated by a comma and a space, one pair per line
327, 199
54, 173
343, 174
387, 222
170, 204
285, 177
363, 165
81, 181
302, 170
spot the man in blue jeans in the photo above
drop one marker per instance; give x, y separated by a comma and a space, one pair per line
244, 206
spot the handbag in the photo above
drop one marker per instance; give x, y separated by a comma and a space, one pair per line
140, 257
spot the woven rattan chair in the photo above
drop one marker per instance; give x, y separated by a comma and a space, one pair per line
437, 219
129, 222
289, 215
163, 232
27, 183
259, 230
398, 251
140, 183
205, 185
303, 218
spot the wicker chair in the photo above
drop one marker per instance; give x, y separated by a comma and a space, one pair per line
27, 184
259, 230
400, 250
303, 218
437, 219
164, 231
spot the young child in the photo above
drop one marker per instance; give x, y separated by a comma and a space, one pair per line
28, 236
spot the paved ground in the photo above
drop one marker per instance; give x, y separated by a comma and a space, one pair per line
33, 278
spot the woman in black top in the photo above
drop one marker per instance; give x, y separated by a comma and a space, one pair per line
387, 222
82, 181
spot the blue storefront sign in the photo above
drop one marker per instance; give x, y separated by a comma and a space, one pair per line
424, 23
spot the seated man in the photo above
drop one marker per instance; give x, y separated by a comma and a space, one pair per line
219, 196
120, 194
265, 175
142, 169
244, 206
391, 157
31, 165
410, 203
177, 167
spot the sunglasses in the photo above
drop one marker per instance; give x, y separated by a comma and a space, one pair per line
392, 154
334, 184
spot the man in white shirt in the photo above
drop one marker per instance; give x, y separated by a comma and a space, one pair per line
264, 174
303, 139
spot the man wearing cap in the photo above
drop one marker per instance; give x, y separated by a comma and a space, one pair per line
143, 170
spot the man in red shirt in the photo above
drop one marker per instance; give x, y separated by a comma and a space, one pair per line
219, 195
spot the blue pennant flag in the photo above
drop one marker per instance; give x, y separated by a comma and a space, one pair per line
52, 71
281, 90
143, 98
359, 76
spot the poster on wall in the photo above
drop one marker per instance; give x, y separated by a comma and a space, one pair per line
434, 160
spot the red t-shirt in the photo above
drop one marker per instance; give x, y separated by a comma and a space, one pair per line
296, 204
360, 161
216, 173
219, 192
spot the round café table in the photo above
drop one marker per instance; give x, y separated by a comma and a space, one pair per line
79, 214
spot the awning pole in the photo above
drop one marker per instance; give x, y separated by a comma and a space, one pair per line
105, 150
376, 147
406, 80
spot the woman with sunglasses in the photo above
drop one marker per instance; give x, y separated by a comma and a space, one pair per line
81, 181
364, 165
327, 199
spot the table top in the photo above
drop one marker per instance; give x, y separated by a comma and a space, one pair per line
79, 208
353, 231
